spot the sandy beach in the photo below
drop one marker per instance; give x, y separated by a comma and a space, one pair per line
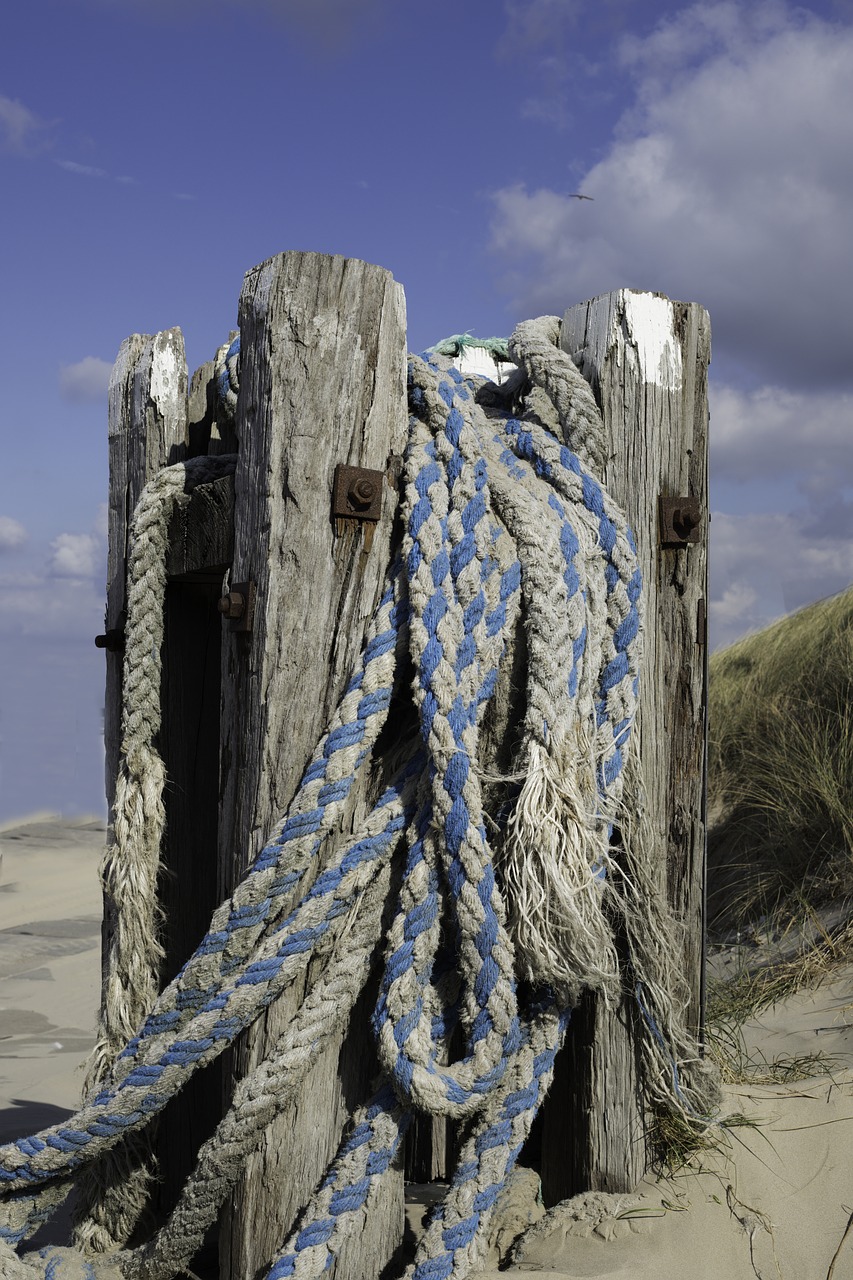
773, 1202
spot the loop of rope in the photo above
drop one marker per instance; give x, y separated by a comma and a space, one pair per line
502, 519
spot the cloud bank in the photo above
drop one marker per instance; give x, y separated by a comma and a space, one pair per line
765, 565
75, 555
726, 184
775, 432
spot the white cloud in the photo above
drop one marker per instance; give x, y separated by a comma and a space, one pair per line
85, 382
773, 431
56, 590
725, 185
75, 555
765, 565
19, 126
12, 534
51, 606
85, 170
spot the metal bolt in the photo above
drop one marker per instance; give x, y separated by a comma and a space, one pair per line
112, 640
683, 521
233, 605
361, 492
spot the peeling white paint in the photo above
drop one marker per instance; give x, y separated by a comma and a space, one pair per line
649, 323
166, 372
649, 336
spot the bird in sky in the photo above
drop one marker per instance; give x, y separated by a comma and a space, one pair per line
576, 195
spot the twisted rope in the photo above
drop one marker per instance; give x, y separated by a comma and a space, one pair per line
500, 516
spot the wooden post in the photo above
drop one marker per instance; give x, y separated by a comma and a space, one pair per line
322, 382
147, 427
646, 358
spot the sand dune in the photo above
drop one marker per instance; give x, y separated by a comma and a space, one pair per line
772, 1204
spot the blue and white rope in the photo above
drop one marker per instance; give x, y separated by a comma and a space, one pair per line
499, 516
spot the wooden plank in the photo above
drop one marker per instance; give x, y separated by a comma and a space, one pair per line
646, 358
322, 382
201, 533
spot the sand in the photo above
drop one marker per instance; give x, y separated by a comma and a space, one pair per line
773, 1204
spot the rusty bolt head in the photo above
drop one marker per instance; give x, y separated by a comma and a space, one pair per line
684, 521
233, 605
361, 492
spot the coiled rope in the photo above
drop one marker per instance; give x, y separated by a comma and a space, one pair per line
503, 518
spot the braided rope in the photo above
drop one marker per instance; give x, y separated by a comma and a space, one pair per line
500, 515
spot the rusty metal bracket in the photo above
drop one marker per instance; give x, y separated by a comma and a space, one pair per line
357, 493
238, 606
680, 521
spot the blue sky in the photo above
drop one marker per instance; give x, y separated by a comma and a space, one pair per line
151, 151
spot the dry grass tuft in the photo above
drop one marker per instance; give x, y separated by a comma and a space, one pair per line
780, 770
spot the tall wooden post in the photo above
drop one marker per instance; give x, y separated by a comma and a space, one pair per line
647, 359
323, 365
147, 426
323, 382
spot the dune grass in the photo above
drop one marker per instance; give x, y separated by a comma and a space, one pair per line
780, 769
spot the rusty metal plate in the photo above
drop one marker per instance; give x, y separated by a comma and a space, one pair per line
680, 521
357, 493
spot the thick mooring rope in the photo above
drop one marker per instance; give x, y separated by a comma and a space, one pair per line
501, 516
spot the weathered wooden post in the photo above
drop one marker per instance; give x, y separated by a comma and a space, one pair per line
323, 383
244, 701
147, 430
323, 351
647, 360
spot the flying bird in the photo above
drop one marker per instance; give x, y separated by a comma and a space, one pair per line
576, 195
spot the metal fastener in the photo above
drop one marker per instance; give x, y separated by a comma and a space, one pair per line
361, 492
233, 605
112, 640
357, 494
238, 606
680, 521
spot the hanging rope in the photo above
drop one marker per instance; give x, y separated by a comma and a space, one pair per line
503, 519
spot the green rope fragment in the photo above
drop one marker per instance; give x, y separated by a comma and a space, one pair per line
458, 342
